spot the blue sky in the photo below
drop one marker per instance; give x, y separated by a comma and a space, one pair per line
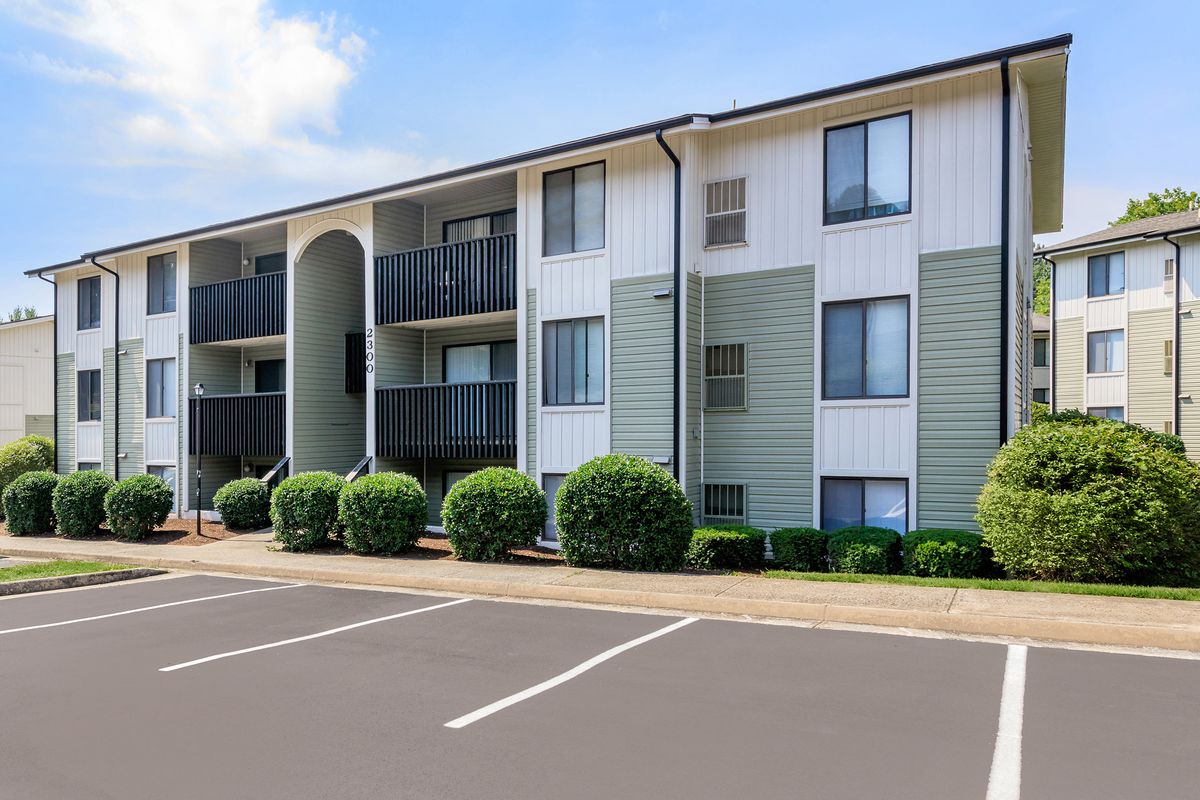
129, 119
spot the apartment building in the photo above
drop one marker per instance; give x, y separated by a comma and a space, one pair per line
812, 311
1126, 320
1040, 381
26, 378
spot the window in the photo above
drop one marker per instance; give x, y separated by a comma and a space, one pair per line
271, 262
161, 390
168, 476
724, 502
1168, 357
574, 362
160, 284
551, 484
270, 375
1041, 352
451, 477
573, 210
867, 169
1107, 412
1041, 395
724, 376
1106, 275
865, 349
1169, 276
878, 502
1106, 351
466, 363
85, 466
89, 303
89, 395
725, 212
462, 230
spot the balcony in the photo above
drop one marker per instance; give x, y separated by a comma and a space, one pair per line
243, 308
447, 280
239, 424
447, 420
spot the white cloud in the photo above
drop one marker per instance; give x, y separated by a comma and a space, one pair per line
224, 85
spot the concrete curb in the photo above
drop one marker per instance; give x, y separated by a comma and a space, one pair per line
75, 581
964, 623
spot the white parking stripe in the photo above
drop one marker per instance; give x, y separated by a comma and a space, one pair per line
297, 639
150, 608
575, 672
1004, 782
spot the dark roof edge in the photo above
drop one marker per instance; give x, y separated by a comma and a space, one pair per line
1062, 40
1128, 237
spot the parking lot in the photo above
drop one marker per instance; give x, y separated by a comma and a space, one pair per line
205, 686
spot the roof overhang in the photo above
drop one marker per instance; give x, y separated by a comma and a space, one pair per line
1045, 80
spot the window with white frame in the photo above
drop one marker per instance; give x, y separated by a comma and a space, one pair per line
1107, 412
573, 209
867, 166
1169, 276
724, 376
168, 476
725, 212
160, 388
724, 503
160, 284
1106, 351
879, 502
551, 484
1106, 275
86, 466
573, 365
87, 394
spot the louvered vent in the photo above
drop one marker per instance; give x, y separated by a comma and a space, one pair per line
724, 376
724, 503
725, 212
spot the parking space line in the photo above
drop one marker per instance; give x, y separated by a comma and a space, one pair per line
1004, 782
575, 672
310, 636
149, 608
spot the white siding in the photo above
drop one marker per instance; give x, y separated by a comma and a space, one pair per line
866, 439
162, 337
569, 438
1144, 275
1105, 390
574, 287
89, 442
1070, 286
161, 442
29, 346
641, 187
867, 260
89, 347
1106, 314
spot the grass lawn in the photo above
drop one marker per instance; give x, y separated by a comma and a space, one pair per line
1106, 589
53, 569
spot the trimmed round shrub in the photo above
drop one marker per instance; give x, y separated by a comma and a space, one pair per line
137, 505
304, 509
78, 502
244, 503
1074, 416
938, 553
727, 547
1096, 501
864, 549
27, 454
800, 549
28, 503
492, 511
623, 512
382, 513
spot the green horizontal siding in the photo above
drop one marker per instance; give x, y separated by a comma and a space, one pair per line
133, 408
1151, 389
1070, 362
1189, 378
40, 425
642, 377
65, 435
695, 350
109, 395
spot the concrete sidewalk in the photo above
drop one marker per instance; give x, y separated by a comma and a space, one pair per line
1106, 621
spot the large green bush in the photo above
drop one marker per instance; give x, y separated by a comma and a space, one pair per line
1096, 501
244, 503
727, 547
938, 553
304, 509
382, 513
492, 511
622, 511
1074, 416
28, 503
78, 502
864, 549
801, 549
27, 454
137, 505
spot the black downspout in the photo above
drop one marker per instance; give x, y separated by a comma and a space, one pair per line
676, 405
116, 409
1053, 337
1175, 415
55, 324
1005, 167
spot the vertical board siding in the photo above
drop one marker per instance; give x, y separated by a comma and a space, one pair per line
397, 226
26, 378
1070, 286
108, 420
88, 350
64, 435
1188, 271
330, 426
642, 375
1070, 363
1107, 314
574, 286
875, 259
161, 335
694, 343
531, 382
768, 447
1151, 389
860, 439
958, 374
89, 444
1144, 265
160, 441
1104, 390
569, 438
1189, 378
641, 189
132, 368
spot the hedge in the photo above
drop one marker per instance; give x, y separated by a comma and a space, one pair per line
27, 454
621, 511
864, 549
382, 513
727, 547
941, 553
304, 509
800, 549
78, 502
28, 503
491, 511
137, 505
244, 503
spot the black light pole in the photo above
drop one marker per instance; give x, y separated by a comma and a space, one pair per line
199, 390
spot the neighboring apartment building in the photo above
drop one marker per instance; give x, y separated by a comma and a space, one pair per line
811, 311
1040, 376
1126, 317
26, 378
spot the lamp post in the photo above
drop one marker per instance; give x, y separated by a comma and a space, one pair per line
199, 390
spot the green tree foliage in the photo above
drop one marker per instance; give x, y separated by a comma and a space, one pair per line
1041, 285
1156, 204
22, 312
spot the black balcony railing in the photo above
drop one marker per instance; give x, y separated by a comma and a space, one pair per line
447, 280
447, 420
243, 308
239, 424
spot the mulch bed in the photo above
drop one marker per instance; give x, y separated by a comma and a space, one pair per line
436, 546
174, 531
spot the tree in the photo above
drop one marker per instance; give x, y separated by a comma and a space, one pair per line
1155, 204
1041, 285
22, 312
